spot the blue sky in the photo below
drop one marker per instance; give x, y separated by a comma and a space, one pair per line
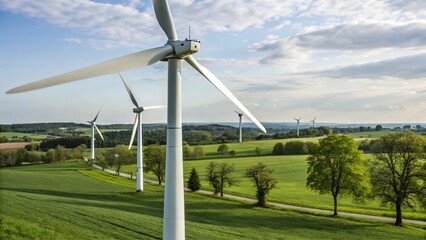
341, 61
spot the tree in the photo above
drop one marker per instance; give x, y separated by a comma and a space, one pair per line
122, 156
337, 167
220, 174
258, 151
232, 153
194, 181
295, 147
406, 127
223, 149
379, 128
79, 150
263, 180
186, 150
198, 152
398, 174
278, 149
60, 154
155, 161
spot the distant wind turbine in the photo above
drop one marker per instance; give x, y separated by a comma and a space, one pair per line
240, 126
298, 123
173, 51
313, 121
92, 142
138, 126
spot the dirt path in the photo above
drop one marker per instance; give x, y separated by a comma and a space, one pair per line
286, 206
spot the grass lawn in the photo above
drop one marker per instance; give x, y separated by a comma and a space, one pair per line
69, 201
371, 134
18, 135
290, 171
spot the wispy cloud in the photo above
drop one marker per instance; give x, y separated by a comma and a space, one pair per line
409, 67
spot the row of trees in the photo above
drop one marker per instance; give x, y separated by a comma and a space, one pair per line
30, 154
396, 175
294, 148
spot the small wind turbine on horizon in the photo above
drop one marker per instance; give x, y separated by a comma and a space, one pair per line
313, 121
137, 126
298, 123
92, 141
173, 51
240, 126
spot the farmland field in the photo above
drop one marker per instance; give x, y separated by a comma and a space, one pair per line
70, 201
17, 135
290, 171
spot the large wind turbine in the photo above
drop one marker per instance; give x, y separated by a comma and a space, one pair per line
174, 51
92, 141
313, 121
298, 123
240, 126
137, 126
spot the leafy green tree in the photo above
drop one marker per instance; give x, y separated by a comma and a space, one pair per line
220, 175
263, 180
325, 130
278, 149
295, 147
187, 152
311, 146
32, 147
60, 154
379, 128
79, 150
406, 127
398, 174
122, 156
258, 151
337, 167
232, 153
198, 152
50, 156
21, 155
223, 149
194, 181
155, 161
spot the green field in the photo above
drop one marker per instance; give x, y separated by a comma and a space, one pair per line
290, 171
18, 135
69, 201
371, 134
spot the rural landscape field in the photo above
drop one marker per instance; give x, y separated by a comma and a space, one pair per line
199, 119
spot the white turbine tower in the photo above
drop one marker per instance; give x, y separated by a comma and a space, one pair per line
174, 51
240, 126
138, 126
313, 121
298, 123
92, 141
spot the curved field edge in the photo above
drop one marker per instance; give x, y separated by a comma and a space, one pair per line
56, 201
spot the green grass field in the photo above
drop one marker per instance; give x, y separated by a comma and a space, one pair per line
69, 201
18, 135
371, 134
290, 171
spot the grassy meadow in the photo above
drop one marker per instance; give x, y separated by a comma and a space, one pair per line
18, 135
70, 201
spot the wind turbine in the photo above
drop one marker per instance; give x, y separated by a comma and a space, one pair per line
174, 51
92, 141
298, 123
313, 121
240, 126
137, 126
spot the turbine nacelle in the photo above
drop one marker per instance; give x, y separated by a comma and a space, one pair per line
138, 110
185, 48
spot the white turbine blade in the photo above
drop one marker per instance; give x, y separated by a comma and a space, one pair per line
129, 91
94, 120
153, 107
97, 129
225, 91
135, 126
127, 62
164, 18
